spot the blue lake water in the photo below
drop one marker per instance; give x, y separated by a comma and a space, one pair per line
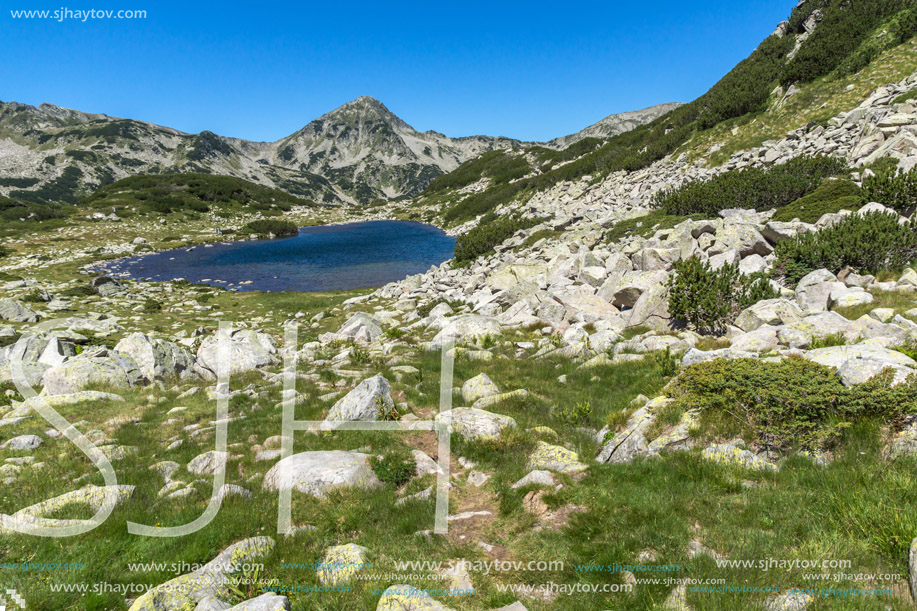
322, 258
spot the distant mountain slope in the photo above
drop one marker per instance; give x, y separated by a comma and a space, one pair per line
612, 125
356, 153
822, 42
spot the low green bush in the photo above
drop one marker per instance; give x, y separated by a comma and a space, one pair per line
576, 413
868, 243
708, 299
489, 233
831, 196
666, 362
832, 339
793, 403
750, 188
893, 189
82, 290
271, 226
396, 468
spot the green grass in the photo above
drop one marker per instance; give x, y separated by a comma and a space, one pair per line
899, 302
906, 97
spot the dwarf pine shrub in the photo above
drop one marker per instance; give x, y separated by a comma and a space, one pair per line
793, 403
870, 242
893, 189
709, 299
750, 188
271, 226
490, 232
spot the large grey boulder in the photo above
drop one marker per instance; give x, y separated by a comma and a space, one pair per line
16, 312
112, 369
630, 443
472, 423
107, 286
478, 387
158, 359
37, 353
318, 472
652, 310
861, 362
360, 327
741, 237
548, 457
820, 325
467, 328
768, 312
208, 463
247, 350
585, 304
761, 339
693, 355
777, 231
845, 297
206, 583
363, 402
813, 292
22, 442
623, 292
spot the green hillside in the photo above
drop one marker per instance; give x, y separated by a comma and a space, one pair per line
189, 195
847, 38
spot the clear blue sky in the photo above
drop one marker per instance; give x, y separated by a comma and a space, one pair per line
262, 70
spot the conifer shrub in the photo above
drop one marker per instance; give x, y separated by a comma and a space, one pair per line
790, 404
708, 299
892, 188
832, 195
272, 226
868, 243
489, 233
750, 188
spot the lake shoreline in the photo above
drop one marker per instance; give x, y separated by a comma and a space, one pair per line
382, 238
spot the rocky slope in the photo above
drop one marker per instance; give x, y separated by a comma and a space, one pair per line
613, 125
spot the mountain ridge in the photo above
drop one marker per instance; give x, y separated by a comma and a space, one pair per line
357, 152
